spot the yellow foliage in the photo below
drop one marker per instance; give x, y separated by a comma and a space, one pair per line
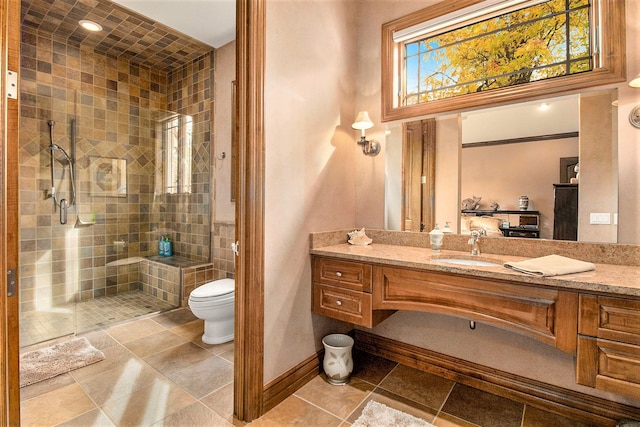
518, 47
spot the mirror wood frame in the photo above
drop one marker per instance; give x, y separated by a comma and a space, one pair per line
612, 56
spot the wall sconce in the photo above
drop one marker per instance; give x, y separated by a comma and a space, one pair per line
634, 115
372, 147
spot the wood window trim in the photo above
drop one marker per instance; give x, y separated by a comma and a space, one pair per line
612, 53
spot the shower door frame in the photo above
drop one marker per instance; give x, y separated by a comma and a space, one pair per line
9, 331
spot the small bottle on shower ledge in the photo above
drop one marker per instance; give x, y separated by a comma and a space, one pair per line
161, 246
168, 247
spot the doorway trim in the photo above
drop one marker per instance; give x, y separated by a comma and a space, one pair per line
9, 328
249, 295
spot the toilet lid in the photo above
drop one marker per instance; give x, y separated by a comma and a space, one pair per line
214, 289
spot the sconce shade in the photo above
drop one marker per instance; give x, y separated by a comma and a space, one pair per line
635, 82
362, 121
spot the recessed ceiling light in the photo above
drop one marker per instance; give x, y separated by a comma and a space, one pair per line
544, 106
90, 25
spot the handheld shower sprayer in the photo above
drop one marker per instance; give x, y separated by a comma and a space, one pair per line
52, 149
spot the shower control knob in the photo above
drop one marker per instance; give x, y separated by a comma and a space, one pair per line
338, 274
338, 303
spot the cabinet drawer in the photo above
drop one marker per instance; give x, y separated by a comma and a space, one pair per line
615, 319
342, 304
350, 275
609, 365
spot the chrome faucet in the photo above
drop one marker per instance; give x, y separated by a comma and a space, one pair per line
474, 241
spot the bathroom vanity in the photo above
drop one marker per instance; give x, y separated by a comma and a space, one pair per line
593, 315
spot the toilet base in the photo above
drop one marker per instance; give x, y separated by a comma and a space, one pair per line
218, 332
216, 340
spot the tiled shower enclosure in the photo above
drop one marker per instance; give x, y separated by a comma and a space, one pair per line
141, 160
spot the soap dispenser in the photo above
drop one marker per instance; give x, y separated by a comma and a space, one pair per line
447, 229
435, 236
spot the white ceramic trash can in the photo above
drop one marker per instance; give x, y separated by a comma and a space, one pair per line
338, 362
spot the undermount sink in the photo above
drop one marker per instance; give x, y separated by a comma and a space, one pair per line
470, 262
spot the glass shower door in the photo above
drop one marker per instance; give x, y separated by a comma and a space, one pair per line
49, 270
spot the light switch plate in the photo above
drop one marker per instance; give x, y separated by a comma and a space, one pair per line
600, 218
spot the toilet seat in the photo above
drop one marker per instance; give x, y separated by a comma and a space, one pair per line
212, 290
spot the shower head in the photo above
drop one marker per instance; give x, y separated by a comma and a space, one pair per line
51, 123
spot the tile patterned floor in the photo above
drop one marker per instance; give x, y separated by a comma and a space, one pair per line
39, 326
158, 372
439, 401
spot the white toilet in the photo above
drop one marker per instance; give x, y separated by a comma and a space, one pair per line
213, 302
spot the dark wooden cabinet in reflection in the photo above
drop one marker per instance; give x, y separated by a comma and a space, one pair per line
565, 212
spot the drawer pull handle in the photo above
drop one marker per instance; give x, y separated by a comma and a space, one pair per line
338, 303
338, 274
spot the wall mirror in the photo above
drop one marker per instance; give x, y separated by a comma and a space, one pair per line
502, 153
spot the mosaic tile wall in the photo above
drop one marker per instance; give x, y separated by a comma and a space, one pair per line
222, 256
185, 217
160, 280
222, 265
192, 277
114, 102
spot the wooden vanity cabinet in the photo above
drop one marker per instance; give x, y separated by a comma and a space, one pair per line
609, 344
365, 294
548, 315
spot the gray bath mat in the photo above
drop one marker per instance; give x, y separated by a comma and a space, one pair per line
378, 415
58, 359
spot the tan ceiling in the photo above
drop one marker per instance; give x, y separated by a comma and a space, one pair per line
125, 34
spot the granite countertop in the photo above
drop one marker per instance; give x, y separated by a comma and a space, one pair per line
605, 279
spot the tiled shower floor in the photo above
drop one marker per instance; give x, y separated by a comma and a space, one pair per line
38, 326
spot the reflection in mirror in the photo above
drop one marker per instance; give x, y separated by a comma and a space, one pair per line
506, 152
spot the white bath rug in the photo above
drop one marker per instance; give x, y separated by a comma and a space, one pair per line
378, 415
58, 359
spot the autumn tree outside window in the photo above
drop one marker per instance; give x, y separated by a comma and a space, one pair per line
539, 49
534, 43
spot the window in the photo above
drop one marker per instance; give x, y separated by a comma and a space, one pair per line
176, 149
539, 42
542, 48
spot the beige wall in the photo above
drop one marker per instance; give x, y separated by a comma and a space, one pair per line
317, 179
223, 209
224, 72
629, 137
310, 155
597, 154
370, 171
448, 158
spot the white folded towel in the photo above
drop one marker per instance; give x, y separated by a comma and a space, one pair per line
550, 265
